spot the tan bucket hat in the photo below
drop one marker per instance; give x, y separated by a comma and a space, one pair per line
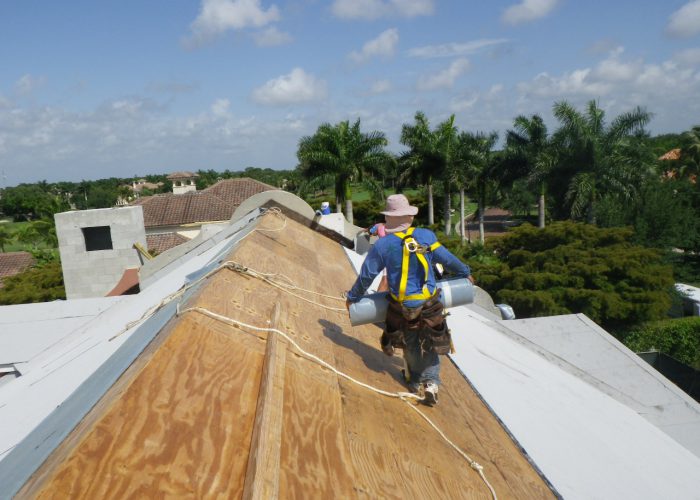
397, 205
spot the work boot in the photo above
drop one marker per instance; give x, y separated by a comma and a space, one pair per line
430, 393
387, 348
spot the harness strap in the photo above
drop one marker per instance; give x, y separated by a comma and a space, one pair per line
410, 245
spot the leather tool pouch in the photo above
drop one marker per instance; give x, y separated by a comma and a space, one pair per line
427, 320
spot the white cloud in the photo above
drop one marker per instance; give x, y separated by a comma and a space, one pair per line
374, 9
272, 36
576, 82
136, 136
28, 84
382, 46
668, 89
613, 69
218, 16
464, 103
445, 78
690, 57
293, 88
380, 87
454, 49
221, 107
685, 22
527, 10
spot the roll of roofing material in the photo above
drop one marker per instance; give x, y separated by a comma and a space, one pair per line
372, 308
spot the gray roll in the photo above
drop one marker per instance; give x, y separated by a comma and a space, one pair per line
372, 308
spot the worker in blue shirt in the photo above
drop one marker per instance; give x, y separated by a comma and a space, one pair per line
415, 321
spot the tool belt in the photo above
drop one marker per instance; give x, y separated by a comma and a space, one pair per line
427, 320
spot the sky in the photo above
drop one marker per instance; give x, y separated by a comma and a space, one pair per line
123, 88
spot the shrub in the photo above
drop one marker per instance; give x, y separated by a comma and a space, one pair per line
41, 283
679, 338
578, 268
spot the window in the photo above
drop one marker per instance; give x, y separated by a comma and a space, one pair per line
97, 238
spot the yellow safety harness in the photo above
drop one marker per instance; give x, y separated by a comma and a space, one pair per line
411, 246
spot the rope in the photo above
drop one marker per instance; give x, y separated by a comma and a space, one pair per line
406, 397
403, 396
285, 287
276, 211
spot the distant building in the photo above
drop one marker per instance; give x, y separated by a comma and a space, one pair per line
183, 182
172, 218
97, 247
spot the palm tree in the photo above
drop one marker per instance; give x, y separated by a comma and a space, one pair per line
46, 230
428, 154
460, 174
343, 153
690, 153
29, 235
530, 148
598, 155
447, 141
477, 151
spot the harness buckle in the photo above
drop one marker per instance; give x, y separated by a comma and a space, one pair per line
412, 246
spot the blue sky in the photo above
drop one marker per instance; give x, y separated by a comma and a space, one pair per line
120, 88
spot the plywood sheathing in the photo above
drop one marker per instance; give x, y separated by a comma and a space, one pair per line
184, 425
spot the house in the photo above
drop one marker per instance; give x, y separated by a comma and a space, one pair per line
183, 182
211, 382
180, 215
12, 263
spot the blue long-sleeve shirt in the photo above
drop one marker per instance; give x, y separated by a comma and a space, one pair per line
387, 253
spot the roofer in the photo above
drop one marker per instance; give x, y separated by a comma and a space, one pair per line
415, 321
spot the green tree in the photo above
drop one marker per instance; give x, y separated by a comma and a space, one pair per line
42, 283
476, 149
573, 267
28, 201
428, 154
598, 158
29, 235
690, 153
679, 338
344, 153
529, 148
46, 230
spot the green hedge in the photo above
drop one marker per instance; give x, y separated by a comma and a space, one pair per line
42, 283
679, 338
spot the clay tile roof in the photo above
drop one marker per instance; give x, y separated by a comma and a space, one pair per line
12, 263
159, 243
236, 191
175, 209
182, 175
674, 154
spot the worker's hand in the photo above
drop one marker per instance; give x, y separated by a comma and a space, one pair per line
471, 279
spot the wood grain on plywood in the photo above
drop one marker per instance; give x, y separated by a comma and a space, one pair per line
183, 426
185, 423
262, 475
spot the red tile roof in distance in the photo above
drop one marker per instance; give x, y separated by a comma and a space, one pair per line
674, 154
12, 263
182, 175
236, 191
159, 243
176, 209
216, 203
